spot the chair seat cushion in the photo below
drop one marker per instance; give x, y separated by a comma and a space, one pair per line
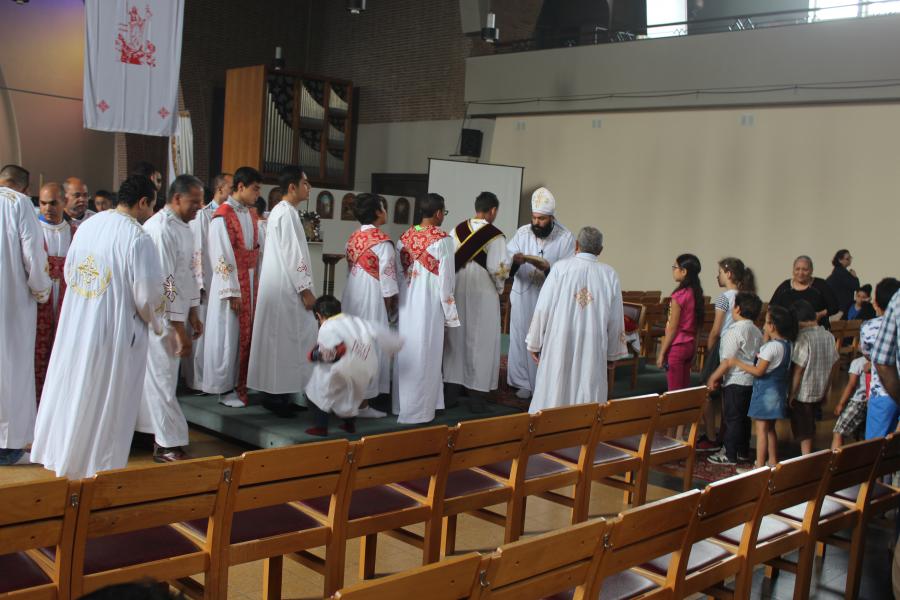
851, 493
702, 555
18, 572
769, 529
604, 454
367, 502
830, 508
538, 466
625, 585
660, 443
459, 483
124, 549
258, 523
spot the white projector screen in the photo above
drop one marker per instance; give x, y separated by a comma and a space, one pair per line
461, 182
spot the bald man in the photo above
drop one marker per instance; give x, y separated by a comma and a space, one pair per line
57, 238
76, 211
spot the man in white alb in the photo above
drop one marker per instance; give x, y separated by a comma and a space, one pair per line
57, 238
192, 366
472, 351
114, 296
23, 284
578, 327
534, 249
234, 249
76, 209
284, 328
160, 413
371, 292
427, 306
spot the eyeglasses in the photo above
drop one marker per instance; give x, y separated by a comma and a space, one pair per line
675, 267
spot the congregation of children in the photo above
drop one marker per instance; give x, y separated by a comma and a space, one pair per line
785, 371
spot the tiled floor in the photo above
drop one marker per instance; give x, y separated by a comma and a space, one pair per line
245, 581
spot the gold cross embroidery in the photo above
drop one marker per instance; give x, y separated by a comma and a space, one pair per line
169, 289
502, 271
88, 270
584, 297
223, 268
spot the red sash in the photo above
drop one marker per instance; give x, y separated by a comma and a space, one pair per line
473, 243
245, 260
415, 248
359, 250
46, 323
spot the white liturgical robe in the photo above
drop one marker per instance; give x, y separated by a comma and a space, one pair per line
339, 387
23, 282
427, 305
472, 350
57, 239
160, 412
527, 283
222, 333
192, 366
364, 296
578, 326
283, 330
114, 293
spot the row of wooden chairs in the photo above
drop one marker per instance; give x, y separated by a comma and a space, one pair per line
691, 543
67, 538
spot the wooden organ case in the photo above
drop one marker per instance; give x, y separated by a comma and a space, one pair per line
275, 118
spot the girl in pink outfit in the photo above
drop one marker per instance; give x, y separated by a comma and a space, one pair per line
685, 318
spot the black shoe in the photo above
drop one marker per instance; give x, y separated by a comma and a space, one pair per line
168, 455
280, 409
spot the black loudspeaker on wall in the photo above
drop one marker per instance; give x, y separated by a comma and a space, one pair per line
470, 142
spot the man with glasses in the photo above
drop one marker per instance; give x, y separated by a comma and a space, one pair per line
76, 210
426, 280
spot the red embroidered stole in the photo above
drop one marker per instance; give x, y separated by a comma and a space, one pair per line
359, 250
415, 248
47, 315
245, 260
473, 243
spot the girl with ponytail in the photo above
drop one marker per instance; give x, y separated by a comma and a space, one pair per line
685, 318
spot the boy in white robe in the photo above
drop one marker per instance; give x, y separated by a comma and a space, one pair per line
160, 412
547, 241
114, 296
427, 306
346, 360
578, 328
23, 284
371, 292
284, 327
192, 366
472, 350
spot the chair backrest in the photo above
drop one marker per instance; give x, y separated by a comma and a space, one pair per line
854, 464
450, 579
562, 427
544, 565
730, 502
890, 456
37, 515
681, 407
484, 441
851, 330
647, 532
797, 480
627, 417
399, 456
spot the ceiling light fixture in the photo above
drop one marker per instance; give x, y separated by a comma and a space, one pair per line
354, 7
490, 33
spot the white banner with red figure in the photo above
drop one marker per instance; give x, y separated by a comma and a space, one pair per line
132, 55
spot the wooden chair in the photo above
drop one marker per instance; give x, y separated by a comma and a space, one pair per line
613, 466
851, 469
641, 534
651, 297
709, 316
260, 522
679, 408
799, 484
727, 504
544, 565
372, 505
632, 296
638, 313
451, 579
654, 327
884, 496
37, 515
533, 472
125, 527
848, 345
474, 444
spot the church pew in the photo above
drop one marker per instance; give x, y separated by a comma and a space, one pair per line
34, 516
451, 579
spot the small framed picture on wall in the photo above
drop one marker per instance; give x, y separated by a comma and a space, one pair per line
401, 212
325, 205
347, 208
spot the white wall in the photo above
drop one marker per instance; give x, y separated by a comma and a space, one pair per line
789, 181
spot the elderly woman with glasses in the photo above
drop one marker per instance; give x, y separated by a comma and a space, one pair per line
803, 286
